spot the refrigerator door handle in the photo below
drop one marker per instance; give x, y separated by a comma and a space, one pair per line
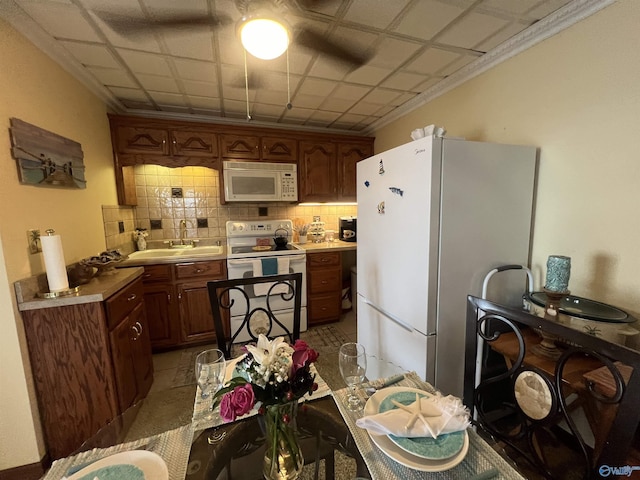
400, 323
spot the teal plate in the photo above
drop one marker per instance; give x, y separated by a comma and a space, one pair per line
444, 446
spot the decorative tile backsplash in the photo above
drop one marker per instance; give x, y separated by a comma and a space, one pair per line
168, 195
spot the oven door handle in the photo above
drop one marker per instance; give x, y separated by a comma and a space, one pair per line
292, 258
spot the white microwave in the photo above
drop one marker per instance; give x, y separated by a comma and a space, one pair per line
260, 182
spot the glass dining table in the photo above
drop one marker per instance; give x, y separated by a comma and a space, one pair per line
332, 445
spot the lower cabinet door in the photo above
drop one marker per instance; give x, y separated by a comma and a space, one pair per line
121, 339
195, 312
141, 352
162, 315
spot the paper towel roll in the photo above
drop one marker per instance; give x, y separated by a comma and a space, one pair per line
54, 263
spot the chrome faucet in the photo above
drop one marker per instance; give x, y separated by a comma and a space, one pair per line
183, 231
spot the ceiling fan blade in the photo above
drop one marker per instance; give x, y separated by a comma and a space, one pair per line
136, 26
317, 42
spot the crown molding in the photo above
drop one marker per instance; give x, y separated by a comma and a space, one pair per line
554, 23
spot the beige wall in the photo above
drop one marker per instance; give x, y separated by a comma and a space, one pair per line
36, 90
577, 97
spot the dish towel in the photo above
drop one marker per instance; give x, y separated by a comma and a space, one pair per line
270, 266
430, 416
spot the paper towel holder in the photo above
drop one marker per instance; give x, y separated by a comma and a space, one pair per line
60, 293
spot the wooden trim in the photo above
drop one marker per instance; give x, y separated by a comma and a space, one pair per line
32, 471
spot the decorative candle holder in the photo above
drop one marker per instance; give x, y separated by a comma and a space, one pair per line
547, 346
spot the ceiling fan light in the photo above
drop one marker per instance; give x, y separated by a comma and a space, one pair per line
264, 38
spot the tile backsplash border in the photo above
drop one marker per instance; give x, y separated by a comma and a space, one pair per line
200, 200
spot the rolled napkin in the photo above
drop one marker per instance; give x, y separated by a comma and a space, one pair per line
428, 416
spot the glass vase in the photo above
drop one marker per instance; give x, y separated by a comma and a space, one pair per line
283, 455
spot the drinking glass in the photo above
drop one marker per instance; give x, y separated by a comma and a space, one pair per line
353, 366
210, 370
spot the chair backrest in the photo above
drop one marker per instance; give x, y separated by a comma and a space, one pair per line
252, 299
576, 413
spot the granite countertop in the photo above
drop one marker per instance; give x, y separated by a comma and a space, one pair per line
337, 245
98, 289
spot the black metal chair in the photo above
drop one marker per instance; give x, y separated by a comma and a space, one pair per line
257, 315
571, 416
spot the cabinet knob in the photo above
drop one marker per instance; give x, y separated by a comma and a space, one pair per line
132, 297
140, 327
324, 282
136, 332
199, 270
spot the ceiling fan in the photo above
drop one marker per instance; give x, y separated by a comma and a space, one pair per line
271, 11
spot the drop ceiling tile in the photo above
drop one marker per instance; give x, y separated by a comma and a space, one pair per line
264, 110
350, 92
471, 30
307, 101
509, 6
132, 94
162, 98
113, 77
500, 37
353, 38
403, 81
428, 84
432, 60
231, 52
200, 89
316, 86
392, 53
547, 8
329, 69
324, 116
149, 63
381, 96
205, 103
460, 62
384, 110
364, 108
192, 45
61, 20
174, 109
337, 104
426, 18
91, 54
375, 13
196, 70
271, 97
298, 114
158, 83
237, 94
402, 98
368, 75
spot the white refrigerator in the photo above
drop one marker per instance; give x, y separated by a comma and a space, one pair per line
434, 217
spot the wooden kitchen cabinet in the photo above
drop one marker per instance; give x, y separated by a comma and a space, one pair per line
130, 344
178, 309
327, 171
318, 167
156, 141
257, 147
349, 154
324, 287
326, 162
86, 367
161, 304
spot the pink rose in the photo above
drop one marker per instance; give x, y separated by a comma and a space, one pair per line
243, 399
227, 413
302, 356
237, 402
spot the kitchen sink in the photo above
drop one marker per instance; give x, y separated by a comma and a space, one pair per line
203, 250
155, 253
163, 253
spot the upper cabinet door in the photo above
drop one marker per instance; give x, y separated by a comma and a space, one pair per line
277, 149
318, 167
143, 140
194, 144
350, 154
240, 146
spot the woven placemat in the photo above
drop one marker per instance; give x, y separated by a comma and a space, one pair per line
480, 457
173, 446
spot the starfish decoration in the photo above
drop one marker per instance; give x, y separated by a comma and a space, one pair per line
417, 413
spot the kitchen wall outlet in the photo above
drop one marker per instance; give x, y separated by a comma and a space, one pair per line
202, 222
34, 241
156, 224
263, 211
121, 227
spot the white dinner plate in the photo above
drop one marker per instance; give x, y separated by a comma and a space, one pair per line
151, 464
401, 456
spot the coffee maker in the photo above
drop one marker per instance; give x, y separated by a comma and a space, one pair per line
348, 229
